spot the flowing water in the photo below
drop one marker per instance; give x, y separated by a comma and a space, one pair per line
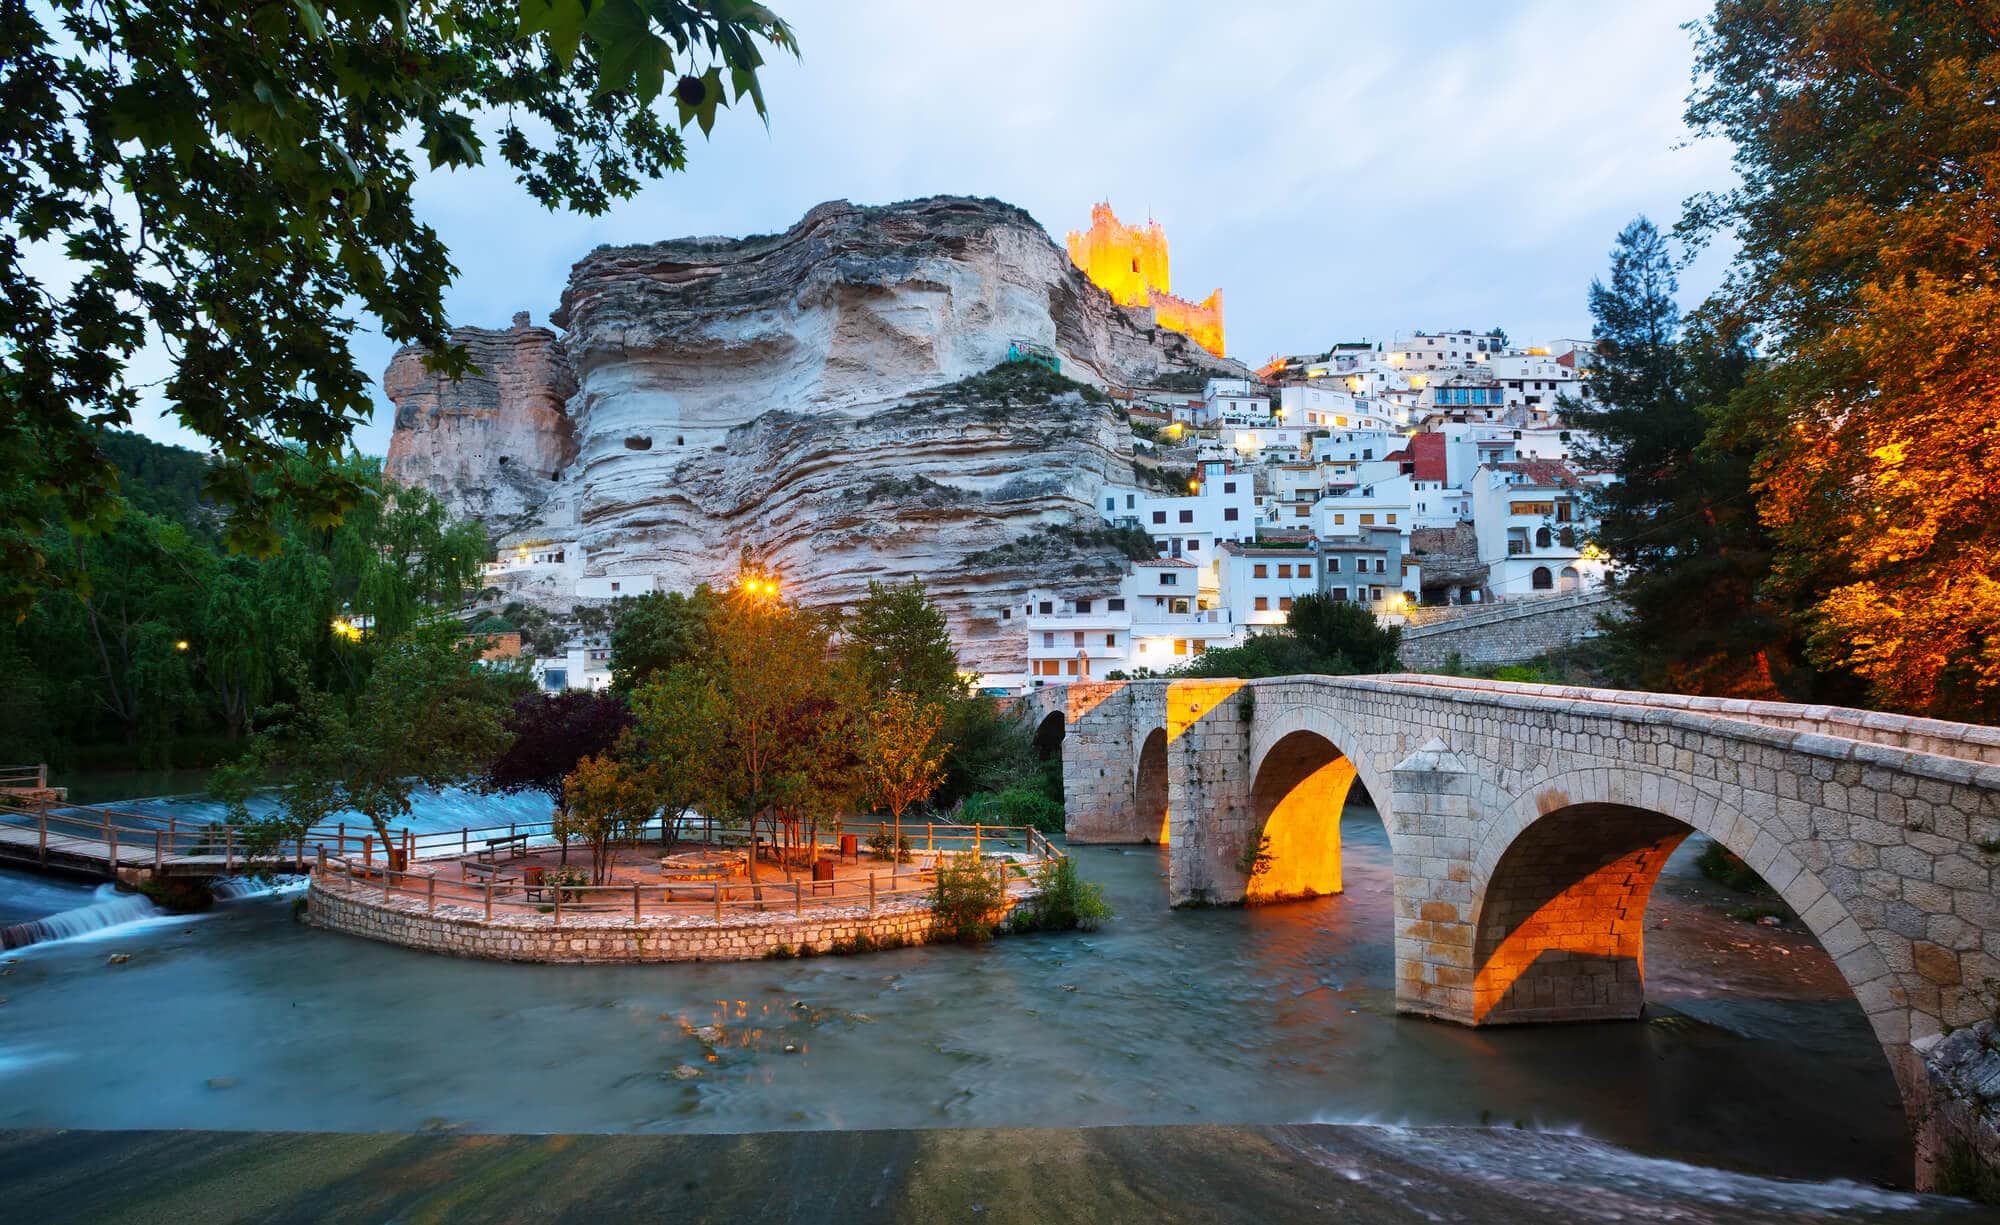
245, 1019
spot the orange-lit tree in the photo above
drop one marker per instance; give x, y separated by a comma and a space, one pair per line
1868, 223
902, 759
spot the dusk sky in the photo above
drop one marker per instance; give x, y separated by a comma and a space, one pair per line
1339, 171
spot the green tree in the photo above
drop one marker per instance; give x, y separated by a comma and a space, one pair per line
1866, 225
678, 732
1321, 635
902, 759
429, 716
1679, 522
659, 631
898, 641
231, 177
605, 800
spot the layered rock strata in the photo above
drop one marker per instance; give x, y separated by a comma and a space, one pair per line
810, 394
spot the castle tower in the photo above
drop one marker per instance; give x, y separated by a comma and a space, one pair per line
1130, 263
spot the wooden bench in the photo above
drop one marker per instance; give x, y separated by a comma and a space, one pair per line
515, 845
485, 871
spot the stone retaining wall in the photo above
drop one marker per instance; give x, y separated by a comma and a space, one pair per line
1511, 632
465, 932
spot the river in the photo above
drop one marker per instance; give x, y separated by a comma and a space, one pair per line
242, 1018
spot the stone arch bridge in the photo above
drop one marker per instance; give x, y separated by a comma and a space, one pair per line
1528, 823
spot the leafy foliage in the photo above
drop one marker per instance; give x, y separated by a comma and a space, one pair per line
1063, 900
967, 899
605, 800
428, 716
550, 734
1322, 635
228, 178
902, 759
1867, 228
898, 643
1018, 804
1679, 521
659, 631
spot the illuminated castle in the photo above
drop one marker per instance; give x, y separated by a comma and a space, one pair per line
1130, 264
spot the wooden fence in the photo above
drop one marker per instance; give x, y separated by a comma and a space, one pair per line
366, 877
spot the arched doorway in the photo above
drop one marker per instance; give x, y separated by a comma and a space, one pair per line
1541, 579
1296, 802
1149, 786
1571, 579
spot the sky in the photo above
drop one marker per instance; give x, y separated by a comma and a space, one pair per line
1341, 171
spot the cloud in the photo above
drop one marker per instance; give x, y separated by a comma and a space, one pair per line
1339, 171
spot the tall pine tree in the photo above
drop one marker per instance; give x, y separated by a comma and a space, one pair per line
1679, 522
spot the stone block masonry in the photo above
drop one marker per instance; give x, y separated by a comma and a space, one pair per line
597, 938
1512, 632
1528, 823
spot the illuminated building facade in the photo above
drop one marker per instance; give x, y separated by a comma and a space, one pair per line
1130, 263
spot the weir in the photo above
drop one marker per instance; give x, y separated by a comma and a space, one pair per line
1528, 823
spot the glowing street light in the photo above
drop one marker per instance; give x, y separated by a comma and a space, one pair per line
181, 645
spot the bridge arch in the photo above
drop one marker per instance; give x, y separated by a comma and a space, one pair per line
1564, 873
1302, 767
1150, 787
1049, 732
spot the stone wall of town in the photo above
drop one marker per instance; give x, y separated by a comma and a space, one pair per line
1510, 632
594, 937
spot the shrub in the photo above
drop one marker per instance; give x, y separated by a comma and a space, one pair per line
967, 899
879, 841
1063, 900
1718, 864
565, 880
1016, 804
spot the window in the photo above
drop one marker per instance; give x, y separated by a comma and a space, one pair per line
1229, 486
1392, 517
1378, 565
1305, 571
1339, 519
1285, 603
1368, 521
1187, 516
1338, 593
1048, 638
1263, 603
1083, 606
1159, 516
1170, 580
1193, 545
1542, 538
1076, 638
1006, 614
1115, 605
1229, 514
1047, 608
1333, 565
1284, 571
1541, 579
1072, 667
1128, 501
1111, 640
1180, 646
1260, 570
614, 586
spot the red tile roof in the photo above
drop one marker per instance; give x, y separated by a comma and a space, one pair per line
1165, 561
1543, 472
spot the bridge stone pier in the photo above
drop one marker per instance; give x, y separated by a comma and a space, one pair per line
1528, 823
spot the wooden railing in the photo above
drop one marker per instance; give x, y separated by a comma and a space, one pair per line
368, 878
21, 778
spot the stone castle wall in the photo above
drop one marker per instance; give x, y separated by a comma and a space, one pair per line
1507, 633
600, 938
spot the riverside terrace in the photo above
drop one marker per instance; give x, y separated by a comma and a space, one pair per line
504, 893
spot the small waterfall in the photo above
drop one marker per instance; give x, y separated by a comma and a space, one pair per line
235, 888
109, 909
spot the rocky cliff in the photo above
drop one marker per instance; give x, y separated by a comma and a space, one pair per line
820, 395
495, 443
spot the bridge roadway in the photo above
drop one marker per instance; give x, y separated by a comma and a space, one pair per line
105, 843
1528, 823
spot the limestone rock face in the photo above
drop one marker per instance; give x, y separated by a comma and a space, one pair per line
494, 444
791, 392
